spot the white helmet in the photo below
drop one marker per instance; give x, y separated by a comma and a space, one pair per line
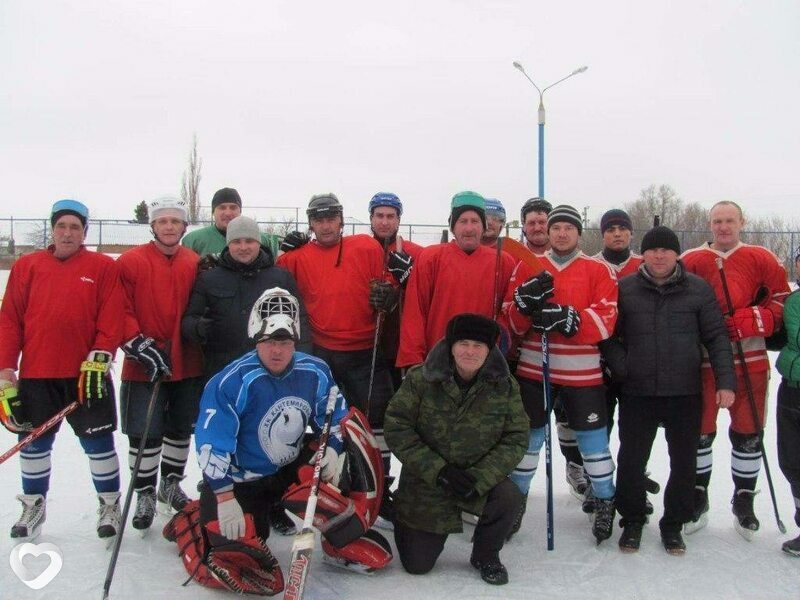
168, 205
276, 313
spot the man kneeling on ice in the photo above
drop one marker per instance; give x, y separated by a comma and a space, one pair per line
458, 426
250, 438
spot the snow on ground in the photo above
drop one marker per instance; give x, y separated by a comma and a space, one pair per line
718, 562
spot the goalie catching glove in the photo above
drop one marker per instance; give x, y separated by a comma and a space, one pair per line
93, 380
531, 295
556, 317
144, 350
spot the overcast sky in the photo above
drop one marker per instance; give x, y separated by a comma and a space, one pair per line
99, 101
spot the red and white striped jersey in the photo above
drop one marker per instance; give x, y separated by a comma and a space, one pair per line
586, 284
626, 267
755, 276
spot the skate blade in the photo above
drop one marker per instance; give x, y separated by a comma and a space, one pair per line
165, 509
341, 563
747, 534
576, 494
109, 541
790, 551
143, 533
695, 526
30, 537
676, 551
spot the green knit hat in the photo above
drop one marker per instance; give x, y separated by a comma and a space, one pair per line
464, 201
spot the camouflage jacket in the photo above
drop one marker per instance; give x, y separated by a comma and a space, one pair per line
428, 425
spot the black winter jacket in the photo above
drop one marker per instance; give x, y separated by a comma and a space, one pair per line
225, 295
656, 349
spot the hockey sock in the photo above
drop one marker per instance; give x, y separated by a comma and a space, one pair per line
523, 473
174, 454
148, 469
745, 459
704, 459
597, 461
103, 462
34, 462
568, 441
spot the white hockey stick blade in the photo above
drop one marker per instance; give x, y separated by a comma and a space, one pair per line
302, 550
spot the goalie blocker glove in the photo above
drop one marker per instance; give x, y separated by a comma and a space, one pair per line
144, 350
562, 318
531, 295
399, 264
93, 382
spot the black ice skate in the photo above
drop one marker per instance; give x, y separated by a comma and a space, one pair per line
603, 522
746, 523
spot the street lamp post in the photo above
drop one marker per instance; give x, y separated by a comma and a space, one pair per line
541, 91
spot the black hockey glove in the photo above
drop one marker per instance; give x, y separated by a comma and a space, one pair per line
294, 240
208, 262
458, 482
531, 295
144, 350
399, 265
383, 296
556, 317
93, 381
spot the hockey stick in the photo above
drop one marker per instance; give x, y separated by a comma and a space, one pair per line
39, 431
751, 398
519, 252
497, 299
303, 545
112, 563
376, 340
445, 236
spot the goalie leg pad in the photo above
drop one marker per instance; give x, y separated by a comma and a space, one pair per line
365, 465
369, 553
336, 516
185, 530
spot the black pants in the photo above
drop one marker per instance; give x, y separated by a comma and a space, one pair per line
419, 549
639, 418
788, 418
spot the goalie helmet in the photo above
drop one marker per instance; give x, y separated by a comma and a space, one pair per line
275, 315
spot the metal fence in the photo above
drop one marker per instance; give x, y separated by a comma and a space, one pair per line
18, 236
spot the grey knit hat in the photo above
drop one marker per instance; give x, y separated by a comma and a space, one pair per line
242, 227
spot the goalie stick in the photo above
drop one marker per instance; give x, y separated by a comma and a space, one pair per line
303, 545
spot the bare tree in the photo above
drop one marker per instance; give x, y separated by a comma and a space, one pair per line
191, 182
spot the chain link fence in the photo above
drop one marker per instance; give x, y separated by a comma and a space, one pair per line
20, 236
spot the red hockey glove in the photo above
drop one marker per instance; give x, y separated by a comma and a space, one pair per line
751, 321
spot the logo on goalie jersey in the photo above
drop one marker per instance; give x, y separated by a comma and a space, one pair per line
281, 430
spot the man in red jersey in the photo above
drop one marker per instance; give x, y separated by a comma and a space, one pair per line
385, 211
341, 280
61, 313
579, 315
437, 289
158, 278
758, 287
533, 219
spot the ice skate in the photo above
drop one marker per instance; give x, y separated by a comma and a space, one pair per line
700, 516
33, 516
108, 516
145, 510
792, 546
576, 478
603, 519
171, 497
745, 521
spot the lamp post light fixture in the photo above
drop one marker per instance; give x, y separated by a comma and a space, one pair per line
541, 91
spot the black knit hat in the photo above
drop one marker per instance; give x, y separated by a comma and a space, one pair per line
563, 213
470, 326
225, 196
615, 216
661, 237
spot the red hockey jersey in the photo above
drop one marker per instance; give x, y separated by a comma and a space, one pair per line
447, 281
748, 269
157, 289
626, 267
586, 284
55, 311
337, 296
